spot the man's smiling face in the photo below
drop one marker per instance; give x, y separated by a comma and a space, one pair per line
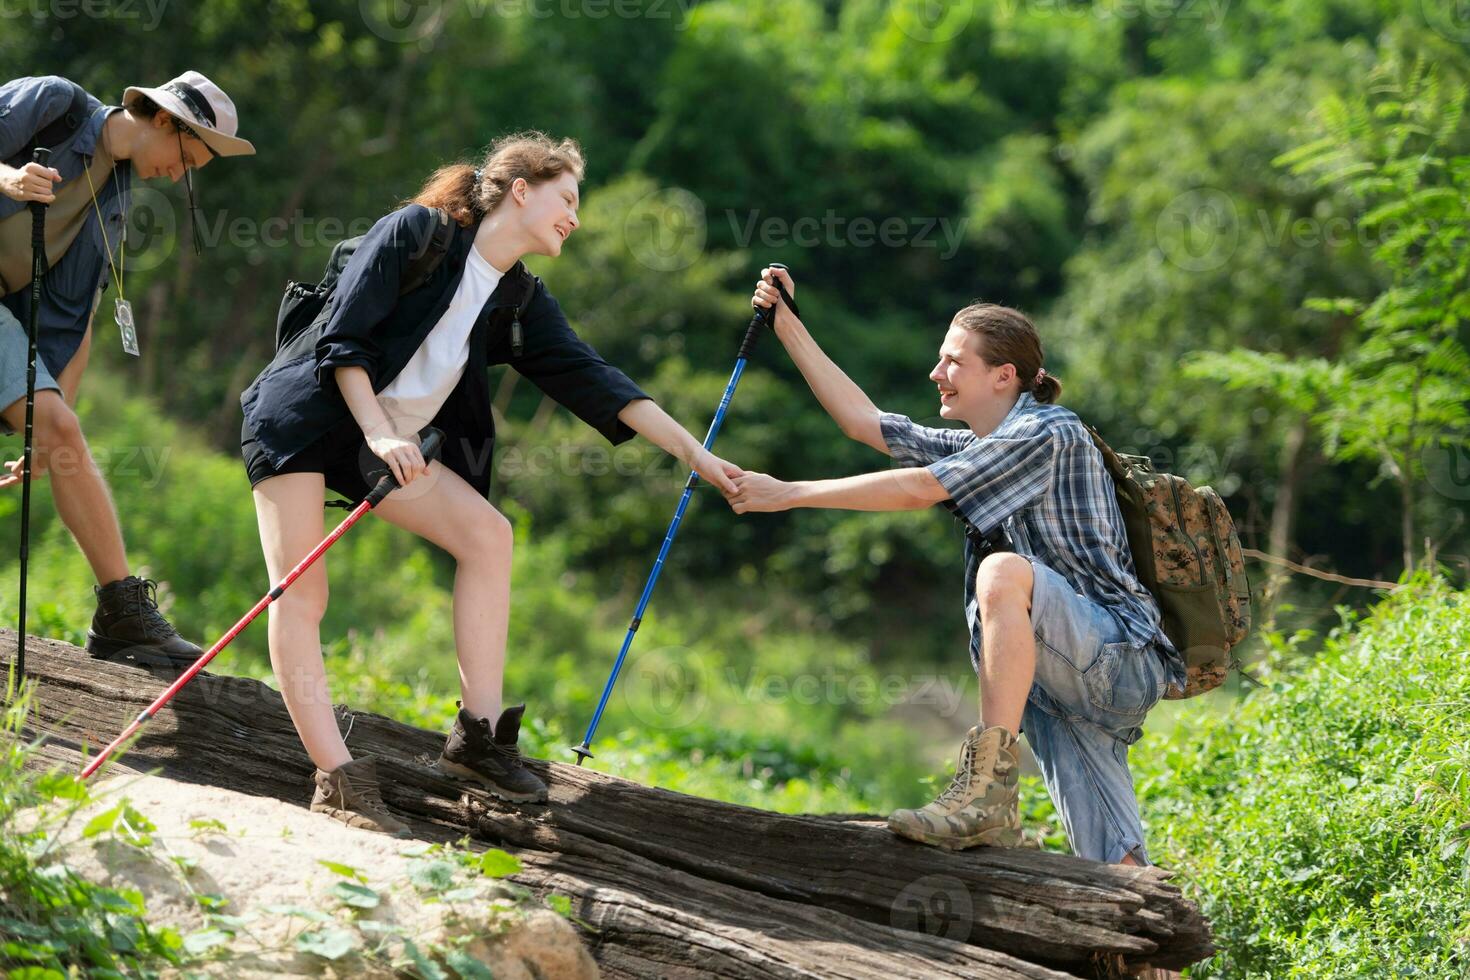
967, 385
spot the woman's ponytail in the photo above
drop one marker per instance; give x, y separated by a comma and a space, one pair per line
453, 189
469, 192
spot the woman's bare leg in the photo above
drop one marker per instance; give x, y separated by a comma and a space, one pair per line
442, 508
288, 509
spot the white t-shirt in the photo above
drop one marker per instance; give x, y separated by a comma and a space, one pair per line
414, 397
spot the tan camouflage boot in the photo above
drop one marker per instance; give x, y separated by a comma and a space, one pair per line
350, 794
979, 806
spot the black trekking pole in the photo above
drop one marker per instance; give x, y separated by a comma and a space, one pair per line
432, 442
38, 272
764, 318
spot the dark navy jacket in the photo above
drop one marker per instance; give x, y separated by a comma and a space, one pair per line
296, 401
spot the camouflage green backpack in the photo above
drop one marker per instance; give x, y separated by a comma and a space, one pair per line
1187, 554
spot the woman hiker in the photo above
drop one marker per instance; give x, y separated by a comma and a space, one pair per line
1066, 641
96, 151
386, 365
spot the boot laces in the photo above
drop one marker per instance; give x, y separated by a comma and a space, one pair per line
142, 600
511, 754
364, 787
961, 782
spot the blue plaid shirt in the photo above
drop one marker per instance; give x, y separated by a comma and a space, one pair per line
1038, 476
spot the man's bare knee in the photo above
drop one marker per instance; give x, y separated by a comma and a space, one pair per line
56, 425
1004, 578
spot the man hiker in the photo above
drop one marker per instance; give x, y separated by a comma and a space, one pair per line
1066, 640
96, 150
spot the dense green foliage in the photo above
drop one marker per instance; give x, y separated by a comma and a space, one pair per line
1241, 228
1324, 820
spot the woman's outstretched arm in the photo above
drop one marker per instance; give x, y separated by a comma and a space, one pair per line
646, 418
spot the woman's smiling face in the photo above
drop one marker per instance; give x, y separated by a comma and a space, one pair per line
548, 212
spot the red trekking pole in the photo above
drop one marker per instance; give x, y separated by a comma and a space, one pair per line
387, 483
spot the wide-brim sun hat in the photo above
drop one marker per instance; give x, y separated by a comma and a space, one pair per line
202, 106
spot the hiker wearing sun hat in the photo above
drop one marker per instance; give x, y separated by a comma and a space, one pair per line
85, 187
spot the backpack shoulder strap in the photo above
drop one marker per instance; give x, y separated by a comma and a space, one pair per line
423, 263
1114, 465
59, 130
517, 334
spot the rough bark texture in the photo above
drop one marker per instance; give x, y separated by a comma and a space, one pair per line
671, 885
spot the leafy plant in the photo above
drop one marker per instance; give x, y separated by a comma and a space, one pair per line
1322, 822
1401, 387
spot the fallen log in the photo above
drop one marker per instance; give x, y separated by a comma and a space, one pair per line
671, 885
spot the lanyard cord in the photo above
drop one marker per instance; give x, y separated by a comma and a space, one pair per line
117, 269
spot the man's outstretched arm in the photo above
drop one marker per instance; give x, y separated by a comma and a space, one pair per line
906, 489
849, 406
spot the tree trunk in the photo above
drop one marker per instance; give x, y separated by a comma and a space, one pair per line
671, 885
1283, 516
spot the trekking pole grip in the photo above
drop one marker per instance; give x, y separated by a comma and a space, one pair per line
38, 208
430, 446
764, 317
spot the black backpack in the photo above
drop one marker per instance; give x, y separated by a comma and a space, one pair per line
304, 302
56, 132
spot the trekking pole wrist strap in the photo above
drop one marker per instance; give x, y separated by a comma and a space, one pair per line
766, 317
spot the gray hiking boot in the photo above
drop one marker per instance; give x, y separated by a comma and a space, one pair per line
350, 794
980, 806
474, 753
128, 626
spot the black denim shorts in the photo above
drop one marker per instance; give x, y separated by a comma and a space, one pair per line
342, 456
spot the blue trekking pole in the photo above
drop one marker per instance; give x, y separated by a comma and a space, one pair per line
764, 318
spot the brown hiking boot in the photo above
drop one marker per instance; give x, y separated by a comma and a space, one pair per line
473, 753
350, 794
979, 807
128, 626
